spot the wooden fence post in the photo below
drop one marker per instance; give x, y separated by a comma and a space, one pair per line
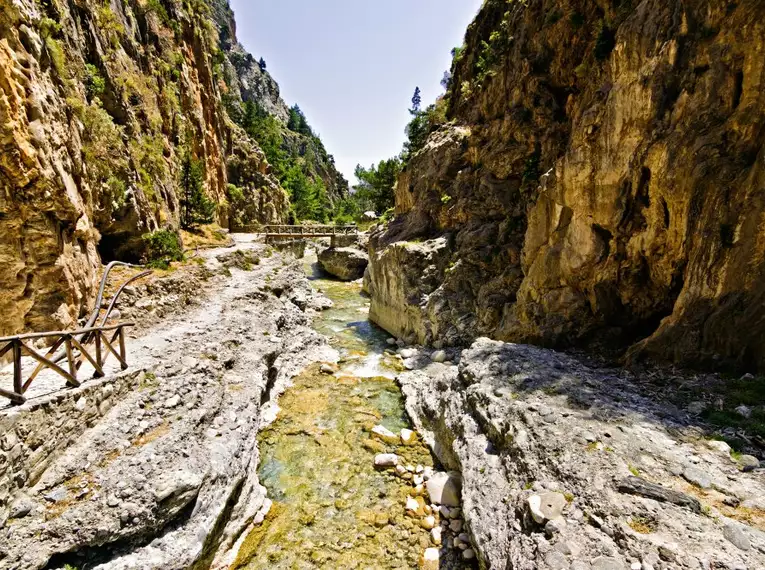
123, 352
18, 387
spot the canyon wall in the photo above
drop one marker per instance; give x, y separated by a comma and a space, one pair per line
600, 181
100, 102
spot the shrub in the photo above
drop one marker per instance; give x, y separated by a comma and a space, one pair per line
94, 82
162, 248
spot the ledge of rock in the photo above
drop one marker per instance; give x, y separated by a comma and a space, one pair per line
346, 263
566, 466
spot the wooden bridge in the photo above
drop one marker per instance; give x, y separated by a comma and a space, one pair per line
90, 344
298, 232
308, 231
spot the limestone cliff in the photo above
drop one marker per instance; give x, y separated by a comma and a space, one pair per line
99, 104
601, 180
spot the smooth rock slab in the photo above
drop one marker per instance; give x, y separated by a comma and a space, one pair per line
736, 536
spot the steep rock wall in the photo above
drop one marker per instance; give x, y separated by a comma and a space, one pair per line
99, 103
602, 180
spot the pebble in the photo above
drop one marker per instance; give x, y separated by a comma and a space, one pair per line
384, 434
412, 505
636, 566
438, 356
173, 401
456, 525
429, 522
386, 460
327, 369
391, 341
408, 437
430, 559
468, 554
435, 535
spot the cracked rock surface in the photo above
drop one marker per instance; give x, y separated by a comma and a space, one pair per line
166, 478
565, 466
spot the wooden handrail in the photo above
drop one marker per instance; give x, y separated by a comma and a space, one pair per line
29, 336
78, 340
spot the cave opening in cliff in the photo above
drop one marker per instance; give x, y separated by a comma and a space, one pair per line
120, 247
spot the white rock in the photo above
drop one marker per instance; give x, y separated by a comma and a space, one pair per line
412, 504
173, 401
418, 480
400, 469
636, 566
81, 404
384, 434
435, 535
419, 469
438, 356
407, 352
391, 341
720, 446
429, 522
468, 554
445, 488
327, 369
430, 559
547, 506
744, 411
408, 437
386, 460
444, 511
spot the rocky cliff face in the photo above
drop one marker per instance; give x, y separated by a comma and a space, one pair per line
601, 180
99, 103
246, 82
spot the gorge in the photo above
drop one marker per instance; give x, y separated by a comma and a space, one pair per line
547, 354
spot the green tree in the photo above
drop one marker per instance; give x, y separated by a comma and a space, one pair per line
376, 184
298, 123
196, 208
416, 101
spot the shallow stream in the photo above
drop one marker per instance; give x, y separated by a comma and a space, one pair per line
331, 507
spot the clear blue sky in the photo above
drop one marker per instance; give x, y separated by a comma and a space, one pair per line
352, 65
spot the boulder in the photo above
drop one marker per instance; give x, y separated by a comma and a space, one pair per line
444, 488
346, 263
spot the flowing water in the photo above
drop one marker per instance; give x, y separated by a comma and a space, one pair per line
332, 509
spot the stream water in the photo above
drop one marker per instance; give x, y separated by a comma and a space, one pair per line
331, 507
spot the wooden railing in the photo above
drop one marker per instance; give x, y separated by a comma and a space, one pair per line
298, 231
77, 345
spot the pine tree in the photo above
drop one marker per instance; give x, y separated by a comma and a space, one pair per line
262, 64
416, 101
196, 208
